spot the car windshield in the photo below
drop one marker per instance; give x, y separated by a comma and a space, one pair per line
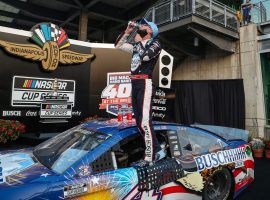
62, 151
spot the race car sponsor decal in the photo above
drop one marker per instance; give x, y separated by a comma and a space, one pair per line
74, 190
30, 91
225, 157
193, 181
84, 170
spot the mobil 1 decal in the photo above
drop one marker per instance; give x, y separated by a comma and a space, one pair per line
30, 91
117, 92
225, 157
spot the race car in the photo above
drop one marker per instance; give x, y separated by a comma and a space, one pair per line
93, 161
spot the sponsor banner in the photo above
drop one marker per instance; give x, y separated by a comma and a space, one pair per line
207, 161
117, 91
30, 113
55, 110
30, 91
162, 106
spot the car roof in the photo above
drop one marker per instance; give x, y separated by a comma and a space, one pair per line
112, 125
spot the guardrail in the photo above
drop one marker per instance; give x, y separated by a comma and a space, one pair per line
260, 11
173, 10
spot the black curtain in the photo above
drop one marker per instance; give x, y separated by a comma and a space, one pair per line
212, 102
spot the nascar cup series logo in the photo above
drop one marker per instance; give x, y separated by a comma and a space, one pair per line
50, 40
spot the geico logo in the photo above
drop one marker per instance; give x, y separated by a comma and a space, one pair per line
159, 108
43, 84
11, 113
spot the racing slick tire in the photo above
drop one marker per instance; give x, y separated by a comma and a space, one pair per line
219, 185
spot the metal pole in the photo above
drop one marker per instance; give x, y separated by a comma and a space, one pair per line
211, 10
193, 6
153, 14
225, 16
171, 10
261, 12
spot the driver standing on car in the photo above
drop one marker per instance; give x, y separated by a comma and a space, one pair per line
145, 52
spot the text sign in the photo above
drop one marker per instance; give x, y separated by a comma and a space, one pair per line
30, 91
55, 110
117, 91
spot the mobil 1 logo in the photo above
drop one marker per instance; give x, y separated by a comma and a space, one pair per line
30, 91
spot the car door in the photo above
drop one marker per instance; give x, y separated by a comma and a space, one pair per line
103, 173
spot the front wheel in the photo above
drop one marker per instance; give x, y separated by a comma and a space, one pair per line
218, 186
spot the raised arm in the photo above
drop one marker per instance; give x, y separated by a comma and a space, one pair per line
152, 51
121, 42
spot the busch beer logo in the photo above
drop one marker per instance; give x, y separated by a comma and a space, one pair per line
118, 91
50, 40
208, 161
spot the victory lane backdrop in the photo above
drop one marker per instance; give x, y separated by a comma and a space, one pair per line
12, 65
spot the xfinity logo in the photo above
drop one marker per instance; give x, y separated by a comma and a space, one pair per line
12, 113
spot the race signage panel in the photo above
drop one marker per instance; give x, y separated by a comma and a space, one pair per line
30, 91
117, 92
55, 110
163, 105
50, 46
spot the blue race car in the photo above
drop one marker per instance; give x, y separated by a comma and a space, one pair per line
92, 161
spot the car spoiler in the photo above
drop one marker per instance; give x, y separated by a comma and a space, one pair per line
225, 132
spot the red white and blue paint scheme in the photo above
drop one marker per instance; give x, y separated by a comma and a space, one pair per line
92, 161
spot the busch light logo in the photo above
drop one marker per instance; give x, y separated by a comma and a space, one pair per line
208, 161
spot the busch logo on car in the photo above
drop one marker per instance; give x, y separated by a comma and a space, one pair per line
224, 157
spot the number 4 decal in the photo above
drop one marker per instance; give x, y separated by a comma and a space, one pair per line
117, 91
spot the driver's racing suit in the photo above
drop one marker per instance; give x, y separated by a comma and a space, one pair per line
144, 57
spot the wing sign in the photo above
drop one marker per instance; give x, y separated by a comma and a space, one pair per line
69, 57
27, 51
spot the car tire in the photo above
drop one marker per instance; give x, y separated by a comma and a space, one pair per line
219, 185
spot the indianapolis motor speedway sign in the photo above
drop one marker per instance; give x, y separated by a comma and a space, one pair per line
50, 49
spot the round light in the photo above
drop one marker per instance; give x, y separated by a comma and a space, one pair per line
166, 60
165, 71
164, 81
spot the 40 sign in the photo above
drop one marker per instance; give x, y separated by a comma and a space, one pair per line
117, 92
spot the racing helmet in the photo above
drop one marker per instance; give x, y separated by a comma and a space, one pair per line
152, 25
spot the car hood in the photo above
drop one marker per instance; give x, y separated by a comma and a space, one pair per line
20, 167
